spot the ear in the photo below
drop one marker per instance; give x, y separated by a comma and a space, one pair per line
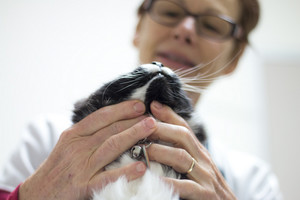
136, 37
237, 54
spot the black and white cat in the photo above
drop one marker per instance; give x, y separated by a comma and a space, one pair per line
147, 83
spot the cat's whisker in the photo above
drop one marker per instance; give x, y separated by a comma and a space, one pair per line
191, 83
128, 86
209, 77
211, 68
191, 88
129, 82
224, 67
186, 72
132, 75
197, 80
106, 88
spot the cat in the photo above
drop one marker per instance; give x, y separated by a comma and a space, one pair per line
148, 82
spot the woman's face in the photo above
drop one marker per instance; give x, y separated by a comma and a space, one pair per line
180, 47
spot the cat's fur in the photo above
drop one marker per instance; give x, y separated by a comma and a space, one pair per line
147, 83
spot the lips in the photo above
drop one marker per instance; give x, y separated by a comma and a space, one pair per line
174, 60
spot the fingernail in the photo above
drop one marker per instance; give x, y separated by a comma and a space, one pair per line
140, 167
157, 105
139, 107
149, 122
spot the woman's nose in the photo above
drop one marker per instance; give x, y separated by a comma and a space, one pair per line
185, 31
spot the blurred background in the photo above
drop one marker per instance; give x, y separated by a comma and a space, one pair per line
53, 53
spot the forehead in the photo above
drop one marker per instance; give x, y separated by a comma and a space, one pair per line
230, 8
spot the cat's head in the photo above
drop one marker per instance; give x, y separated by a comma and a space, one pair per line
149, 82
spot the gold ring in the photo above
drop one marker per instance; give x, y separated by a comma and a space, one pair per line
192, 166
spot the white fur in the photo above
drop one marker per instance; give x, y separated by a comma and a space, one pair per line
140, 93
151, 67
149, 187
155, 68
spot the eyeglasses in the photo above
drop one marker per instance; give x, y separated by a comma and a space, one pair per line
216, 27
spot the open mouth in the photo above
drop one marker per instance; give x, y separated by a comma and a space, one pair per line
174, 61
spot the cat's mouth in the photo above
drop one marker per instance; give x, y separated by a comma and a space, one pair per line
174, 60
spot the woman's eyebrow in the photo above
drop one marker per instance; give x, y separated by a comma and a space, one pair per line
209, 10
213, 11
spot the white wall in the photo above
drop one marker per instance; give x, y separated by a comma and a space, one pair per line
277, 40
53, 53
283, 105
233, 108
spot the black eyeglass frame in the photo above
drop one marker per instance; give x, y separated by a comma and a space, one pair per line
236, 32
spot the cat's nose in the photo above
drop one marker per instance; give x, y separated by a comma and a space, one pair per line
159, 64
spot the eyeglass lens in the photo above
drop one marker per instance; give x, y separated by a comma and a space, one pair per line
170, 14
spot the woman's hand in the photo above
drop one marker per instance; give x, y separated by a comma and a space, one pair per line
205, 180
76, 164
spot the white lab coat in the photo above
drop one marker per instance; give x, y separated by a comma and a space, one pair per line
249, 177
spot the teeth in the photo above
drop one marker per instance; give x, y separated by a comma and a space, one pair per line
177, 59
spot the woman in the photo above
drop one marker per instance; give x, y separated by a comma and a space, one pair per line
180, 34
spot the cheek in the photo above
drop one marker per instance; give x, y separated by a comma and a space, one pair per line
151, 36
216, 57
226, 54
218, 54
212, 50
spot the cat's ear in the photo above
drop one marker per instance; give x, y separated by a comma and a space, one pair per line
136, 37
237, 54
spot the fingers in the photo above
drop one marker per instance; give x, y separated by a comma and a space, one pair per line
166, 114
206, 181
115, 128
174, 134
179, 159
176, 131
174, 157
187, 189
181, 137
117, 144
131, 172
108, 115
87, 147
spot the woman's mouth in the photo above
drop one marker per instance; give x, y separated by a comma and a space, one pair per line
174, 61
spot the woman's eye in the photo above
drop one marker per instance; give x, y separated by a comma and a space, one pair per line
211, 27
171, 14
